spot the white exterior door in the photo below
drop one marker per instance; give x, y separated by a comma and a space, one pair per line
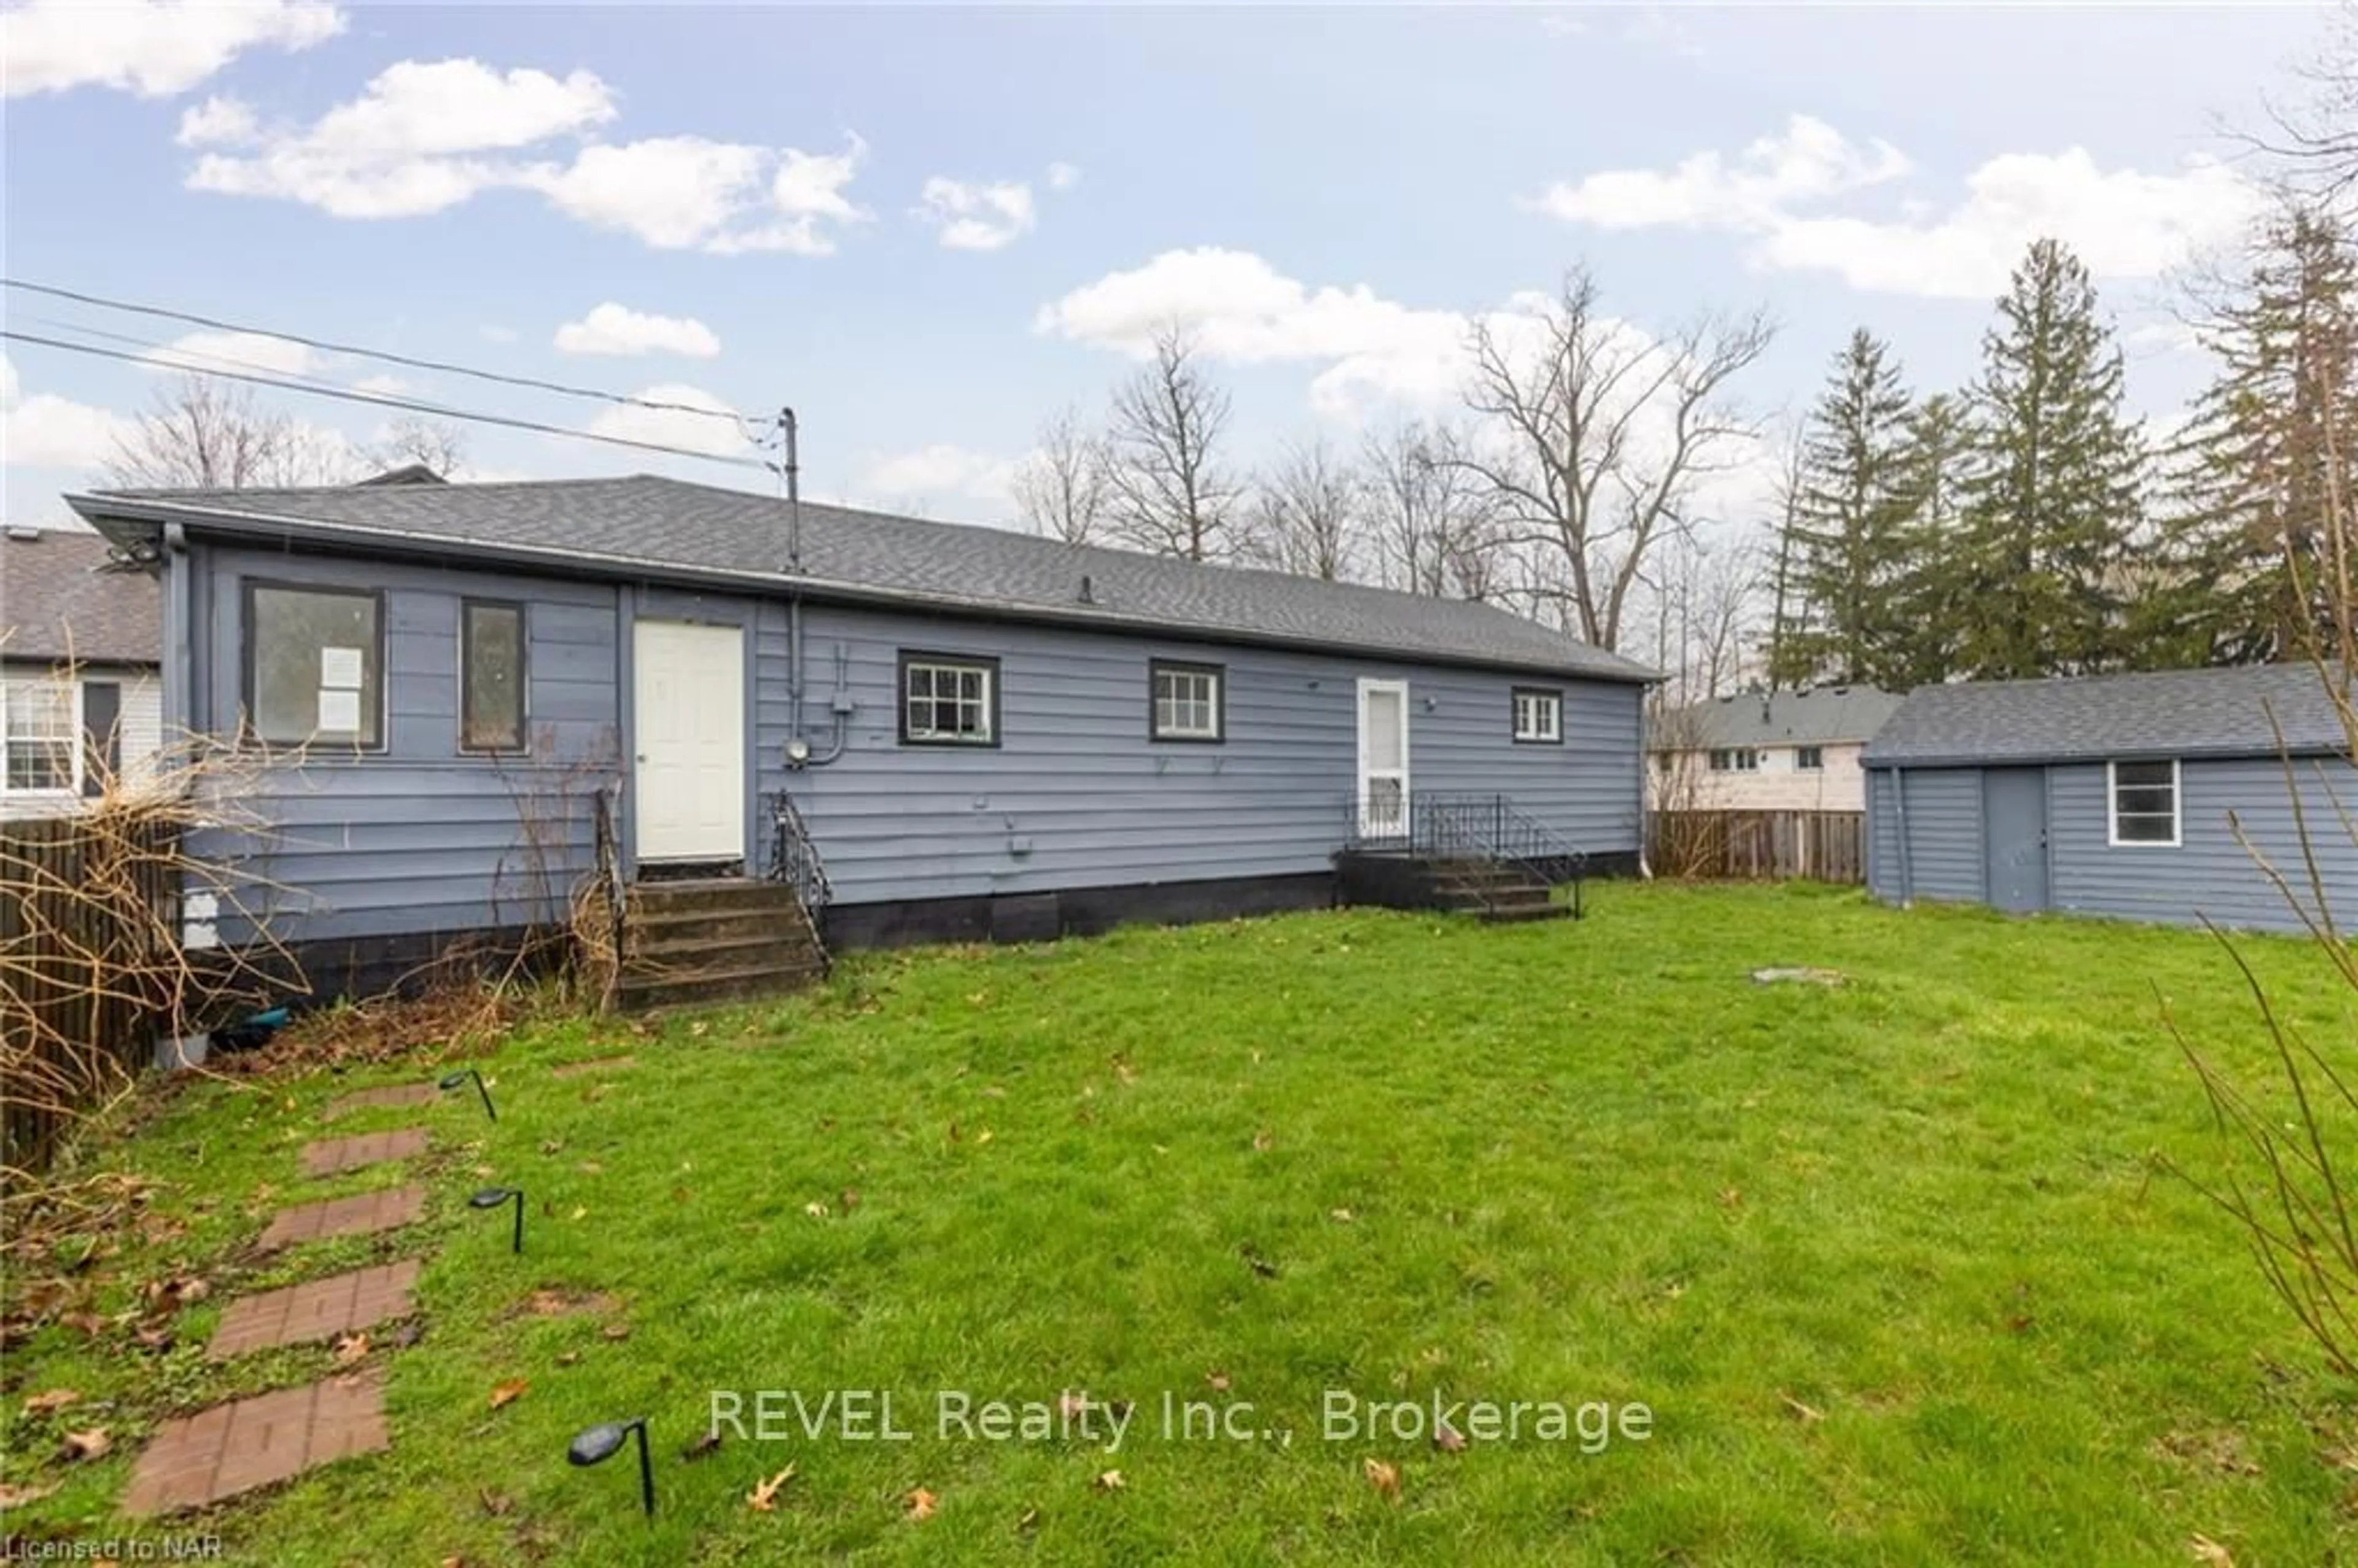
687, 720
1383, 759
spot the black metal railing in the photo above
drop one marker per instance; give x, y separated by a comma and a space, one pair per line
1445, 826
793, 858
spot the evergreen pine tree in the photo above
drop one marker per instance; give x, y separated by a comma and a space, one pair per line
2052, 500
2238, 569
1847, 529
1933, 595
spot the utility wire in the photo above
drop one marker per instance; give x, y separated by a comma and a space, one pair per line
405, 404
196, 361
325, 346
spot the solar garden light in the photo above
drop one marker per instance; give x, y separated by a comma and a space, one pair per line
600, 1444
453, 1080
493, 1197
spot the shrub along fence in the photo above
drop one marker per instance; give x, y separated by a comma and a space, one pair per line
1759, 846
87, 949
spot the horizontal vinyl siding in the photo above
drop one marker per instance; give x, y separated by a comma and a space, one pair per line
1944, 834
1076, 795
422, 837
2209, 874
1882, 871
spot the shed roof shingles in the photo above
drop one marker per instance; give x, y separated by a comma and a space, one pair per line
57, 602
2237, 712
649, 523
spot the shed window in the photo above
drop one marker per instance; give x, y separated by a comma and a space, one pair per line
1735, 760
313, 665
2144, 803
491, 676
948, 701
1539, 716
1810, 759
1188, 701
40, 737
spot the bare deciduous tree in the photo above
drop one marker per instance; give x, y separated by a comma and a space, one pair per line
1061, 488
203, 434
1166, 489
1431, 521
1598, 435
1306, 517
433, 444
2314, 139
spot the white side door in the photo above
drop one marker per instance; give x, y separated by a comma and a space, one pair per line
1383, 759
687, 720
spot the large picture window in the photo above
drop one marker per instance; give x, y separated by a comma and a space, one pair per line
491, 676
314, 666
948, 701
2144, 804
40, 738
1188, 701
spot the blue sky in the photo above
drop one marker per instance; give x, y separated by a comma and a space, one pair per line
931, 230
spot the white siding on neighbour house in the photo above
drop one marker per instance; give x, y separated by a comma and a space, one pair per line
1780, 784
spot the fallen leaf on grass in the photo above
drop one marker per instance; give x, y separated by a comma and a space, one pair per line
1029, 1520
1447, 1438
18, 1497
616, 1331
580, 1213
922, 1504
1341, 1215
708, 1444
1071, 1406
816, 1210
408, 1334
55, 1400
1385, 1478
91, 1445
1260, 1265
1263, 1142
1219, 1381
1730, 1198
507, 1393
552, 1145
495, 1503
568, 1357
351, 1347
1804, 1413
762, 1498
849, 1199
1110, 1481
155, 1337
2209, 1552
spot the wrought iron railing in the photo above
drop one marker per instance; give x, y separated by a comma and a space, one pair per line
1441, 826
793, 858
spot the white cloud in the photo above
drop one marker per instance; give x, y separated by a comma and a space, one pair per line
696, 432
1064, 176
612, 329
2122, 222
48, 431
1810, 160
152, 47
941, 472
382, 385
424, 136
972, 216
241, 351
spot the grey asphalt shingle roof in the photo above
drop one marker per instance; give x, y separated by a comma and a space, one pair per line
2165, 713
646, 524
1825, 714
56, 602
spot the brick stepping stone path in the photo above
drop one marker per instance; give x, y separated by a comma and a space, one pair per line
247, 1443
595, 1064
391, 1094
385, 1210
320, 1310
331, 1155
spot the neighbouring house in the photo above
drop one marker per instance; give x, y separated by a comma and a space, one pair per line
457, 692
1768, 750
80, 700
2117, 795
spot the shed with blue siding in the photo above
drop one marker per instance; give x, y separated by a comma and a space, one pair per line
2166, 797
437, 686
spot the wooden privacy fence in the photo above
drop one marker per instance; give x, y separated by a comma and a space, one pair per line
85, 939
1759, 846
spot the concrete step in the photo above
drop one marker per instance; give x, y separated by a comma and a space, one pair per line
661, 930
716, 894
694, 955
637, 993
1516, 913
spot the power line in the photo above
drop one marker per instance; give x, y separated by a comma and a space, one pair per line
404, 405
325, 346
199, 362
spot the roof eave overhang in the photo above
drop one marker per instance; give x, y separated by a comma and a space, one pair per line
2093, 758
99, 511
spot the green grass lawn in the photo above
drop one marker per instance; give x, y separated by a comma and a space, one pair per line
1897, 1269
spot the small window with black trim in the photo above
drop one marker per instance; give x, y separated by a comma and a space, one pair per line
948, 701
1539, 716
491, 676
1188, 702
314, 666
1810, 759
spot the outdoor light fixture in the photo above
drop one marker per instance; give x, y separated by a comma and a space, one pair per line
453, 1080
600, 1444
493, 1197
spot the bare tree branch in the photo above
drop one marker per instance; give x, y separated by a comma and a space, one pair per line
1167, 490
